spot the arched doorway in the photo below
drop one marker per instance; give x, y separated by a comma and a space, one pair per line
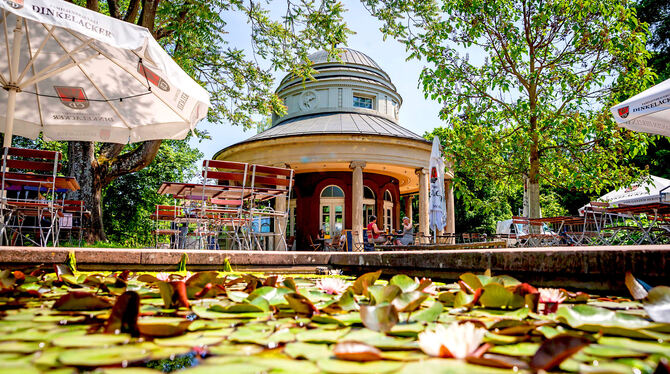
332, 210
369, 204
388, 210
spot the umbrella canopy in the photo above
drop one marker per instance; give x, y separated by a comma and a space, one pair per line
646, 192
648, 111
74, 74
438, 205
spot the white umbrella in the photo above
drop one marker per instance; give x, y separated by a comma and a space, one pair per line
75, 74
648, 111
646, 192
438, 207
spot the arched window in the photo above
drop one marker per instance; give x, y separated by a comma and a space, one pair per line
332, 210
369, 204
367, 193
388, 210
332, 191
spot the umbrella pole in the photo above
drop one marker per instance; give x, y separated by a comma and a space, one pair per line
9, 119
13, 86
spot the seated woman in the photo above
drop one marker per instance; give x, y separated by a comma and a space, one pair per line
321, 239
374, 233
407, 237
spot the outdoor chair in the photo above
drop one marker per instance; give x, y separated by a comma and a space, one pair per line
334, 245
31, 185
165, 221
315, 246
75, 218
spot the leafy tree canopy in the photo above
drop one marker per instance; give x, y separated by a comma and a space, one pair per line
526, 85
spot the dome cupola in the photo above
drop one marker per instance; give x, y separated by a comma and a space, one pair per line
356, 85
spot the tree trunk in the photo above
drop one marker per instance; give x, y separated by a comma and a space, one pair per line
84, 167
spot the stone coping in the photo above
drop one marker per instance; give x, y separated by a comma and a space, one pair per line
598, 267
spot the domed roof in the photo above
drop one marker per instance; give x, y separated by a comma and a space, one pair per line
348, 56
336, 123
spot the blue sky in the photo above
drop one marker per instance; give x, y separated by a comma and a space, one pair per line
417, 114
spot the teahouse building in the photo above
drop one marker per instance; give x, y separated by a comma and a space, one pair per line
351, 157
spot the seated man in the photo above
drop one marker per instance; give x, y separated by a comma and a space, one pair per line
374, 234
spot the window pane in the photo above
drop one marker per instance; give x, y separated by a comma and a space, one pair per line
367, 193
362, 102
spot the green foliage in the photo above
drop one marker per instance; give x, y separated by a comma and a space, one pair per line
226, 266
657, 14
182, 263
71, 262
130, 200
526, 86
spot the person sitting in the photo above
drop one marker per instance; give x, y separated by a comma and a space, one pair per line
374, 233
321, 239
343, 241
407, 237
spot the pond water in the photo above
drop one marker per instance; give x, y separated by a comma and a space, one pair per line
64, 321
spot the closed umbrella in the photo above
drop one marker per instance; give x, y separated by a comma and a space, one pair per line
74, 74
648, 111
438, 205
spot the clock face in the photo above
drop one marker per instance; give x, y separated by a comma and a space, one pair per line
308, 100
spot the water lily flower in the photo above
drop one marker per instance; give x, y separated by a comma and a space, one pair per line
431, 289
457, 341
163, 276
331, 286
551, 297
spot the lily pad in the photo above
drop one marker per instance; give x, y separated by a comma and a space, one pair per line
429, 314
94, 357
20, 347
321, 335
405, 283
362, 283
497, 297
594, 319
236, 349
348, 367
356, 351
636, 345
383, 294
409, 301
520, 349
162, 326
78, 300
193, 339
93, 340
309, 351
379, 317
657, 304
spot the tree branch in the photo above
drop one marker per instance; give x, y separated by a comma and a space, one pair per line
181, 17
131, 12
132, 161
109, 151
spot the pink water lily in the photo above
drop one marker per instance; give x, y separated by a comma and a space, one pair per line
456, 341
163, 276
551, 297
333, 286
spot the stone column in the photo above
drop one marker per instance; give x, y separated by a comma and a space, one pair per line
451, 212
357, 223
424, 205
280, 222
408, 206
